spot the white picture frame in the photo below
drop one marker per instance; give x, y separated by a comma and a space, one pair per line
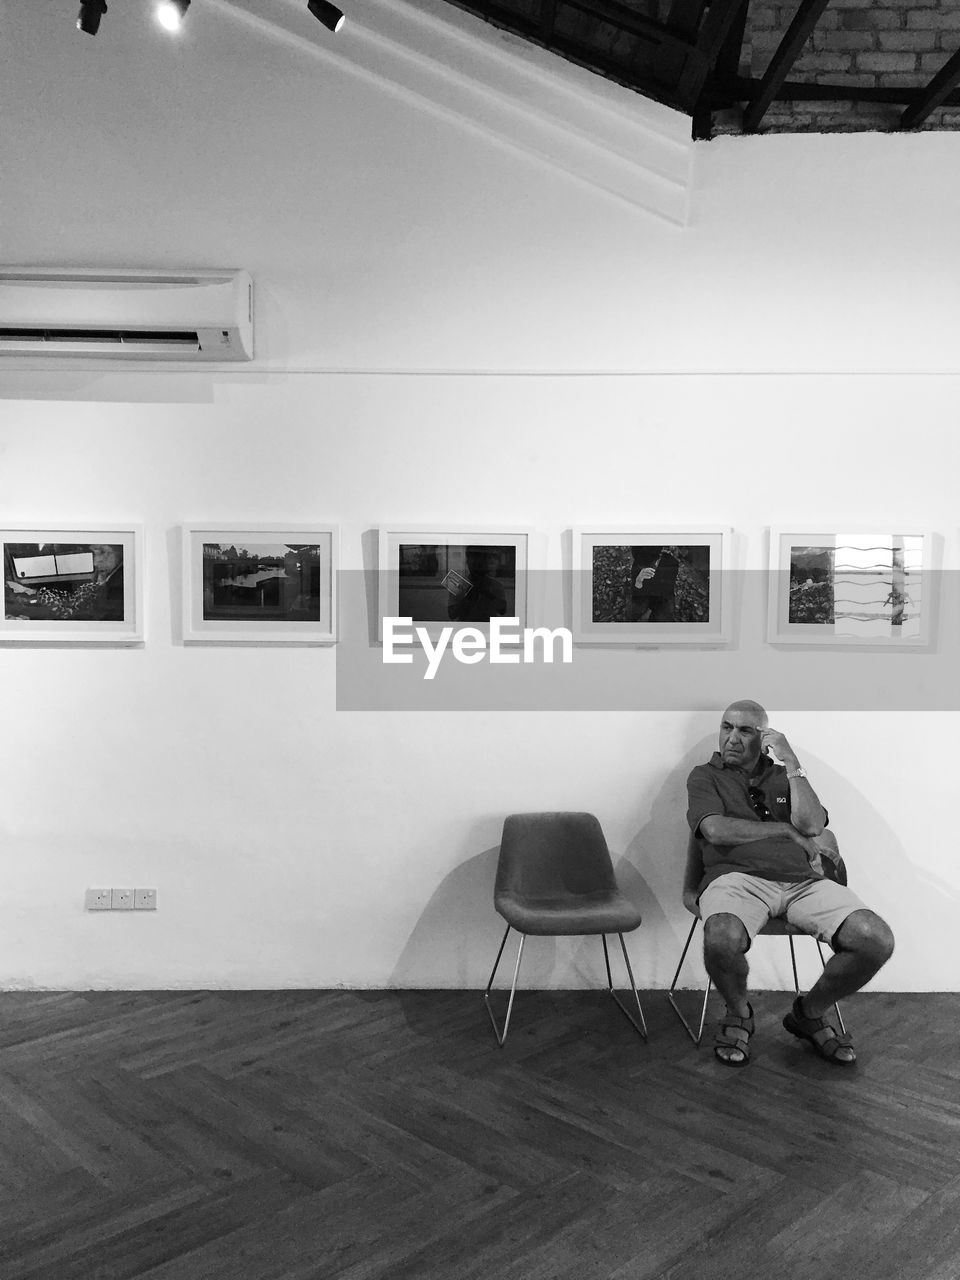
72, 584
259, 583
851, 588
438, 575
650, 585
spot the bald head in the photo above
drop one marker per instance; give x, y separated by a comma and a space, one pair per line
740, 728
749, 708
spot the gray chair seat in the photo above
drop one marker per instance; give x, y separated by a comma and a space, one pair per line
604, 911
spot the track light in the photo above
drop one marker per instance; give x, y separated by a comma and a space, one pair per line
91, 11
171, 13
327, 13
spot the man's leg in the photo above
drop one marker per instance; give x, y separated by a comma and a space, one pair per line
862, 946
725, 943
734, 907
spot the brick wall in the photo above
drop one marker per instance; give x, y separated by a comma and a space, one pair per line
877, 43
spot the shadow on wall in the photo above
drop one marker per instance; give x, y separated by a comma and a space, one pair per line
660, 847
455, 940
920, 907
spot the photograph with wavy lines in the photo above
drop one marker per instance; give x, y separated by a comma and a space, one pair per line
863, 586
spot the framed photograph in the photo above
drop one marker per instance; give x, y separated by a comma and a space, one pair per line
64, 585
260, 584
651, 586
860, 588
440, 577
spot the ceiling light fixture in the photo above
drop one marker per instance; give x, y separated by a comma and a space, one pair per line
327, 13
171, 13
91, 11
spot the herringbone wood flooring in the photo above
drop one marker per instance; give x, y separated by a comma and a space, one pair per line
366, 1135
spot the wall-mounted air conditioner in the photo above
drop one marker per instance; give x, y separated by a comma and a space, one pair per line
126, 315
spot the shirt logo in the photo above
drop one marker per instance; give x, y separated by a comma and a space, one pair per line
781, 799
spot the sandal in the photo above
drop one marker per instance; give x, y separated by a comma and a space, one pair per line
733, 1036
827, 1042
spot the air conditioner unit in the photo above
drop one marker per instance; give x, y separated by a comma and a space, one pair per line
126, 315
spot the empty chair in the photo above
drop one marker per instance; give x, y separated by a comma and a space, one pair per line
693, 874
555, 878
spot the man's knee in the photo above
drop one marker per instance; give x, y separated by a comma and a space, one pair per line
867, 934
724, 937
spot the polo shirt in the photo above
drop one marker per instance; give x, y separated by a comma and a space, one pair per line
713, 788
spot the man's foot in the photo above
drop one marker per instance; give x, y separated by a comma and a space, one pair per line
732, 1045
825, 1039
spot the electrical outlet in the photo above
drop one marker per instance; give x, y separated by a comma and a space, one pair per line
97, 899
121, 900
145, 899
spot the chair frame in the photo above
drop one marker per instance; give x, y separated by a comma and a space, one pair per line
639, 1026
693, 873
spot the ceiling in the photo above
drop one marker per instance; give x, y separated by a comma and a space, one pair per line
761, 66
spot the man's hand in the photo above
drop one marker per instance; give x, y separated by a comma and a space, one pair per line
811, 848
775, 744
643, 575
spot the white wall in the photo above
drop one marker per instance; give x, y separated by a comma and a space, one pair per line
295, 845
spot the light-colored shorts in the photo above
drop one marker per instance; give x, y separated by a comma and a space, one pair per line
818, 907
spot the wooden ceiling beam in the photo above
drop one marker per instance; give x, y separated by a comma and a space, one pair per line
624, 19
714, 30
725, 69
683, 18
548, 18
610, 11
804, 20
728, 59
576, 51
743, 88
934, 95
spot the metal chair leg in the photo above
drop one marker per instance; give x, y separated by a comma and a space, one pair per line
695, 1036
843, 1029
501, 1036
640, 1026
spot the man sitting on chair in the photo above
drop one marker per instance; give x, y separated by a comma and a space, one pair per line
758, 822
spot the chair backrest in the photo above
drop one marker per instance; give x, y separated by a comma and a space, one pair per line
693, 870
546, 856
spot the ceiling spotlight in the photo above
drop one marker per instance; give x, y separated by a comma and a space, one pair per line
327, 13
171, 13
91, 11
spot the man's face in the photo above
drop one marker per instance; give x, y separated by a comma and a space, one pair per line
740, 738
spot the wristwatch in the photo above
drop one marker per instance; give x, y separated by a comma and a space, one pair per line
798, 772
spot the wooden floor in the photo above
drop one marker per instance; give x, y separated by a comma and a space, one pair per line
293, 1135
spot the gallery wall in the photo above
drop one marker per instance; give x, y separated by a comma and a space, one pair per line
449, 332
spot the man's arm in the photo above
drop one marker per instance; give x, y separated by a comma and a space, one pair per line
720, 830
806, 811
